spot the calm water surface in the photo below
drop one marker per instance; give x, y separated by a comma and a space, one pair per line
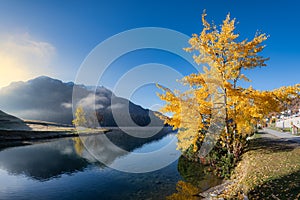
65, 169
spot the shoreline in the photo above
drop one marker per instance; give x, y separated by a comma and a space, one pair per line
9, 138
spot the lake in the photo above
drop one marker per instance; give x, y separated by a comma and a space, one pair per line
90, 167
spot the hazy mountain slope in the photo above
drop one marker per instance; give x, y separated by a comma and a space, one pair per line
42, 98
48, 99
10, 122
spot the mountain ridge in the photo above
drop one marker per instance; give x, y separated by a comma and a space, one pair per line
48, 99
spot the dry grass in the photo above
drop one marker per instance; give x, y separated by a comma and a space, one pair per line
270, 169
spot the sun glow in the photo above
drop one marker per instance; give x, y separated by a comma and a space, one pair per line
22, 58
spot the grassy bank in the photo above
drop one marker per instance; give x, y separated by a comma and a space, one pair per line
269, 169
43, 133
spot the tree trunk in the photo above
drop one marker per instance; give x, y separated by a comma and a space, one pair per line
226, 123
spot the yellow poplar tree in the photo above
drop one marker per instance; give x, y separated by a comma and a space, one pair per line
216, 90
80, 117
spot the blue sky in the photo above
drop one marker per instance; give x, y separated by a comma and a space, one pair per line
54, 37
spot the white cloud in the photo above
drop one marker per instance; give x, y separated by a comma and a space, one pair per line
22, 57
90, 102
66, 105
117, 106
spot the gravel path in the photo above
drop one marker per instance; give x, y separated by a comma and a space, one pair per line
282, 135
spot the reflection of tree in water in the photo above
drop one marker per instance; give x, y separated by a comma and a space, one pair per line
196, 180
107, 147
78, 146
45, 161
98, 149
185, 191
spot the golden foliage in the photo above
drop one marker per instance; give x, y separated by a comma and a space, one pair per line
224, 59
80, 117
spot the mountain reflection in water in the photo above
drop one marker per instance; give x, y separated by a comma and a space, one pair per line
65, 156
64, 169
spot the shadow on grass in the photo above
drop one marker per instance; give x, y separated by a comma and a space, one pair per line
271, 144
287, 187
